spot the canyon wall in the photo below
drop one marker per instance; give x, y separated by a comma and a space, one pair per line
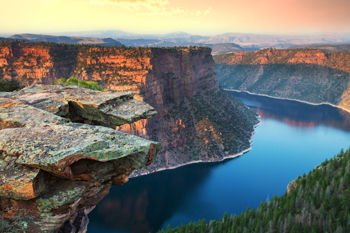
196, 121
303, 74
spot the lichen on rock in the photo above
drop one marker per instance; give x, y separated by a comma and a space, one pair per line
52, 169
107, 108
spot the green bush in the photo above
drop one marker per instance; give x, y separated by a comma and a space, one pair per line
60, 81
77, 82
10, 86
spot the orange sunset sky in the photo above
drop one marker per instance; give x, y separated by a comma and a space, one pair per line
205, 17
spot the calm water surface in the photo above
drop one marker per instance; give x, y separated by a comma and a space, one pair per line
291, 140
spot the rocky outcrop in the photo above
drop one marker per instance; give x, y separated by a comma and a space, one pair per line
302, 74
291, 185
197, 121
54, 170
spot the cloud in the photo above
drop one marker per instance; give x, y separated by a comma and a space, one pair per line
203, 12
171, 11
153, 7
149, 7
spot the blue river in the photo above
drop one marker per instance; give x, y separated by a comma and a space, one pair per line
291, 140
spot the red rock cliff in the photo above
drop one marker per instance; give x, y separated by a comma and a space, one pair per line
303, 74
337, 60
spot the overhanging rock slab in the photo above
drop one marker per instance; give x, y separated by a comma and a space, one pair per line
54, 148
107, 108
51, 169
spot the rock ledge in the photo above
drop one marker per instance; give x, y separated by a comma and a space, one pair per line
54, 168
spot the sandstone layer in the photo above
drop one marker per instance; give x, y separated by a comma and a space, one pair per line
309, 75
54, 171
197, 121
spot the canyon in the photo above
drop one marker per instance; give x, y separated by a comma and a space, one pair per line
197, 120
309, 75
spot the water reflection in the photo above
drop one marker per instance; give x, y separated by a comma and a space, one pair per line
145, 203
284, 148
296, 113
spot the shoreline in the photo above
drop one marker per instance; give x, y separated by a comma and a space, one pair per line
283, 98
208, 161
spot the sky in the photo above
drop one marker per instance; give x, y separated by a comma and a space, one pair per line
204, 17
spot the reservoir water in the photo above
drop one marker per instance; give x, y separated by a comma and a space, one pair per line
291, 140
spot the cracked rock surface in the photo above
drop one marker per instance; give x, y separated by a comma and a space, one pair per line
54, 171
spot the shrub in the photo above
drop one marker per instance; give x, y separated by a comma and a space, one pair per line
77, 82
10, 85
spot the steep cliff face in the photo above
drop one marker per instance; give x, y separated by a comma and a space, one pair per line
196, 121
35, 63
303, 74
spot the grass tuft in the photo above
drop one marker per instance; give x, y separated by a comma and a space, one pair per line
77, 82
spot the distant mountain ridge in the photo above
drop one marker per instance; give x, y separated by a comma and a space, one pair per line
217, 48
245, 40
221, 44
6, 39
248, 40
220, 48
324, 47
125, 35
64, 39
